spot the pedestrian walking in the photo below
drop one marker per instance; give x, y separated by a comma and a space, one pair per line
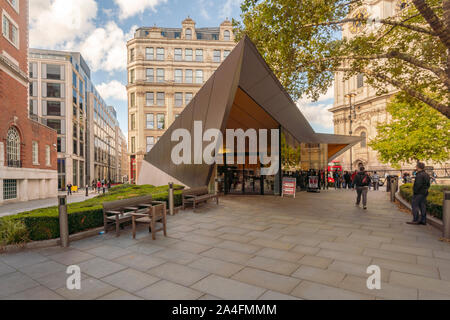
420, 193
362, 182
99, 185
376, 181
433, 178
336, 180
348, 180
353, 179
69, 189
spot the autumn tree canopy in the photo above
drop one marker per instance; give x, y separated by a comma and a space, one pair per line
301, 42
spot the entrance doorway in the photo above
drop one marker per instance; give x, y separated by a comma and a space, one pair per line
244, 179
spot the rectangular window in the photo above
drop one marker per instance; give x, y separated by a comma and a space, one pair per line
187, 98
199, 55
131, 55
10, 30
47, 156
189, 76
133, 121
53, 90
75, 147
133, 144
178, 76
33, 88
188, 54
75, 130
150, 143
132, 77
132, 99
160, 75
149, 53
216, 57
55, 124
150, 75
149, 121
160, 54
33, 70
178, 54
149, 99
360, 80
33, 109
53, 72
161, 121
178, 99
160, 98
9, 189
54, 108
35, 153
199, 76
225, 54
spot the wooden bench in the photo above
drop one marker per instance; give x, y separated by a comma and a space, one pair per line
195, 196
156, 213
119, 211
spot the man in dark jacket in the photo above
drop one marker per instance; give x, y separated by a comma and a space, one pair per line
420, 193
361, 183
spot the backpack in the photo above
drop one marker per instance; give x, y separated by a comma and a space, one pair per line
365, 180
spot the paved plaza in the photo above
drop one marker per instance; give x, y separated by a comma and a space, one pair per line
317, 246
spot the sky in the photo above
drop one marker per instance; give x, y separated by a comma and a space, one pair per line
99, 29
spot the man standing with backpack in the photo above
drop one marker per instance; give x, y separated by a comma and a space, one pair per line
420, 190
361, 183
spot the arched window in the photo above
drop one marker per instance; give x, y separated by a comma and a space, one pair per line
188, 34
13, 147
226, 35
364, 140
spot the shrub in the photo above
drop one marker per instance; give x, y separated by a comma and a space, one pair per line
434, 200
43, 224
12, 232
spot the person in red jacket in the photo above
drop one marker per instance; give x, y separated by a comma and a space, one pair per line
353, 179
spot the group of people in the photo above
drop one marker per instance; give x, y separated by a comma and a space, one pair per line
100, 185
346, 180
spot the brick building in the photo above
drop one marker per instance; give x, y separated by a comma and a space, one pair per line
27, 148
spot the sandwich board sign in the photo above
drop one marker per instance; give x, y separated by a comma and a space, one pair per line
289, 187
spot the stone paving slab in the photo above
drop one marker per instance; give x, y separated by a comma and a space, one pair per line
317, 246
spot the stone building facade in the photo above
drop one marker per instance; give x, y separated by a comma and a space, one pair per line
27, 147
166, 68
370, 109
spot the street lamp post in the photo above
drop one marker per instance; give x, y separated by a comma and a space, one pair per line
351, 116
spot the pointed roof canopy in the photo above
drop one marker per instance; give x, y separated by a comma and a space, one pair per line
243, 69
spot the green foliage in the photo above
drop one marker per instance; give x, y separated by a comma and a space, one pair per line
416, 132
12, 232
43, 224
290, 157
434, 200
301, 42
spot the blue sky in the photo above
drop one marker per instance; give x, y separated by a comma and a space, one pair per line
99, 30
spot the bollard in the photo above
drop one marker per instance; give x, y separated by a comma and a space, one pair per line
446, 214
393, 188
63, 221
171, 204
87, 190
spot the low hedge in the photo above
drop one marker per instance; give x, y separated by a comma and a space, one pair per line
434, 200
43, 224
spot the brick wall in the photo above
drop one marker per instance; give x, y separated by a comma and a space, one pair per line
14, 96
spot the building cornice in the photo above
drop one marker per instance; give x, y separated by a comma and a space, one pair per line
14, 69
364, 101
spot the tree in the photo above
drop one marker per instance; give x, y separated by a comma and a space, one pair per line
416, 132
300, 40
290, 157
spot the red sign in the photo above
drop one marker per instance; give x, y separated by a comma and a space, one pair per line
289, 187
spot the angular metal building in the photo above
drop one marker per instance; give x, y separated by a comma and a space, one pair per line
242, 94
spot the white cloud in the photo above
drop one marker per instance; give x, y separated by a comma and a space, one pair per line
53, 22
105, 48
129, 8
113, 89
317, 112
227, 8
